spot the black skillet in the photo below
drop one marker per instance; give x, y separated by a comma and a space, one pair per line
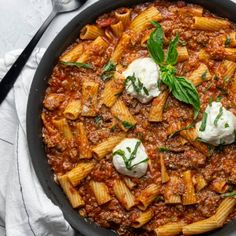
69, 33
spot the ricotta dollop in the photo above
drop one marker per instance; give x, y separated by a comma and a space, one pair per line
220, 125
130, 150
147, 72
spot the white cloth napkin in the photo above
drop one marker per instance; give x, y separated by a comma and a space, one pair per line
25, 210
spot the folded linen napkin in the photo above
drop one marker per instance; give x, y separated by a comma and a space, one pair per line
25, 210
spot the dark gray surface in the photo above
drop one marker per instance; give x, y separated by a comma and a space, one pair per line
224, 8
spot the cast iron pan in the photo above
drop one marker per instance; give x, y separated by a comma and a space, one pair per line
224, 8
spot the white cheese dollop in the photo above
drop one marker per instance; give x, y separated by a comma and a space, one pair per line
221, 131
127, 146
147, 71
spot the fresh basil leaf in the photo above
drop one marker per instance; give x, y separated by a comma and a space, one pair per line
127, 125
77, 64
155, 44
186, 92
172, 53
110, 66
204, 121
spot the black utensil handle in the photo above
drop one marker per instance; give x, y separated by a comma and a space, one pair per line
9, 79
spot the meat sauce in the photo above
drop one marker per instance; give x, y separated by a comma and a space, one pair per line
63, 155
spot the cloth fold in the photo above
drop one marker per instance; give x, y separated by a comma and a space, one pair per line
25, 209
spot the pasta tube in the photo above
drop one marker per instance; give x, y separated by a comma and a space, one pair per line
141, 21
123, 15
189, 197
106, 147
85, 151
91, 32
112, 89
147, 196
209, 23
121, 112
100, 191
200, 75
63, 127
71, 193
170, 229
89, 98
73, 54
123, 194
158, 104
142, 219
81, 171
73, 110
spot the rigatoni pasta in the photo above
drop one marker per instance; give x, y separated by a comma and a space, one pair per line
146, 196
72, 193
144, 18
89, 100
208, 23
80, 172
123, 194
85, 151
105, 147
100, 191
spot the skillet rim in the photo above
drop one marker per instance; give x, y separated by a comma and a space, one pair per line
70, 32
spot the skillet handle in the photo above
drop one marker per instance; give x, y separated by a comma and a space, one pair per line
9, 79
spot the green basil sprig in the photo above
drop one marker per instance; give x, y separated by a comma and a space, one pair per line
182, 89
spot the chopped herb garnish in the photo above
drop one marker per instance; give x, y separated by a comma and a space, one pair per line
107, 75
110, 66
77, 64
163, 149
227, 41
137, 84
127, 125
218, 99
218, 116
128, 161
226, 125
232, 194
181, 89
108, 71
204, 76
204, 121
185, 128
211, 100
226, 79
118, 94
98, 120
222, 91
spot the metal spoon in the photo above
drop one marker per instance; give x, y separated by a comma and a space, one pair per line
59, 6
